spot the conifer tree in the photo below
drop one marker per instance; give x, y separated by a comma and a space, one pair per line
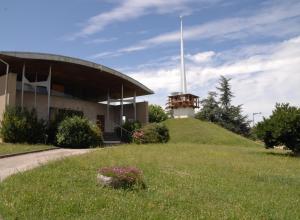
222, 111
210, 108
225, 92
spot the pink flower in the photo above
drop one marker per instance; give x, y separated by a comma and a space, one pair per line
123, 176
138, 136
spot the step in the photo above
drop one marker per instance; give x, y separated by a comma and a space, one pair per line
111, 138
111, 142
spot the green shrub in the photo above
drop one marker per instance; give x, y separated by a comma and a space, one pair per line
152, 133
20, 126
78, 132
281, 128
157, 114
59, 116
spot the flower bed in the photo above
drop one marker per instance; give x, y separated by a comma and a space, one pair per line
138, 136
121, 177
151, 133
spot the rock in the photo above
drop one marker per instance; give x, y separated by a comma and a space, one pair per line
104, 180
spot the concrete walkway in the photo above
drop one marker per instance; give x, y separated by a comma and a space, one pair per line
12, 165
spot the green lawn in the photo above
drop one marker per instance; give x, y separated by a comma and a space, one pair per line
185, 181
195, 131
20, 148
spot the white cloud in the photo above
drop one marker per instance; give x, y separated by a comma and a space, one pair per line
114, 53
259, 79
132, 9
101, 40
266, 21
274, 19
201, 57
103, 54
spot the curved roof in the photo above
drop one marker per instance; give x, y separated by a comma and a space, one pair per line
95, 72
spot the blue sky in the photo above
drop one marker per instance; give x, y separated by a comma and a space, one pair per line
256, 43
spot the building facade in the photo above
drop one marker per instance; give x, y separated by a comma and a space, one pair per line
52, 83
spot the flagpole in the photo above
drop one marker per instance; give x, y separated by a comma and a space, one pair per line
183, 76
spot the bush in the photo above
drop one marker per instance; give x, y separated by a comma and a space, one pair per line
78, 132
59, 116
22, 126
281, 128
123, 177
128, 130
157, 114
152, 133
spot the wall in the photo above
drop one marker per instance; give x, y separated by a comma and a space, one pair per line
128, 111
89, 109
11, 92
183, 113
142, 114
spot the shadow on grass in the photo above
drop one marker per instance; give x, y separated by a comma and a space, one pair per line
281, 153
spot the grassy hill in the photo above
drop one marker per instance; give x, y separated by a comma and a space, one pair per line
195, 176
195, 131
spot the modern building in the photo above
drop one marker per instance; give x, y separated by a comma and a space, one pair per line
51, 83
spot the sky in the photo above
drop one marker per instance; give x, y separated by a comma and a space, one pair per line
255, 43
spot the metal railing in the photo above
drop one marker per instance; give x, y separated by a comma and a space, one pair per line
122, 129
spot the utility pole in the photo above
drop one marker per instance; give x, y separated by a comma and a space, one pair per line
253, 115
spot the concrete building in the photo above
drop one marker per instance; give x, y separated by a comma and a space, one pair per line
51, 83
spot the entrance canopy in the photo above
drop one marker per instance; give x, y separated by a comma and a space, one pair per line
85, 79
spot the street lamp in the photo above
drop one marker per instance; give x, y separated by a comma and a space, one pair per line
255, 113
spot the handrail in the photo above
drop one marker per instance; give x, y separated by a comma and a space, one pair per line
119, 126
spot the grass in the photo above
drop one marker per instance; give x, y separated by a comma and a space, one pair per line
192, 131
20, 148
185, 180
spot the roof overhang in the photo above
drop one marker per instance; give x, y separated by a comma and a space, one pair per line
96, 79
183, 95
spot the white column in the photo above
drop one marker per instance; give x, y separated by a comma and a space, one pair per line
121, 111
22, 89
108, 108
6, 85
134, 105
35, 91
6, 80
49, 90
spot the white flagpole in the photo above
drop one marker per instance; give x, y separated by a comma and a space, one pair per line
183, 77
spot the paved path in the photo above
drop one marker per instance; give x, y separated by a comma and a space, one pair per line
12, 165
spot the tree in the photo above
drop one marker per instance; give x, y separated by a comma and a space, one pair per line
233, 120
281, 128
210, 110
222, 111
225, 92
231, 116
156, 114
